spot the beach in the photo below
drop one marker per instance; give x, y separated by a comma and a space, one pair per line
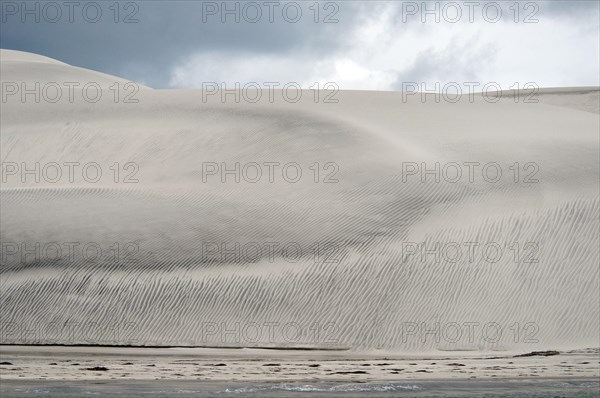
206, 364
204, 372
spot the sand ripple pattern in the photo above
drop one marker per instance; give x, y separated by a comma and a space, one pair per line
372, 292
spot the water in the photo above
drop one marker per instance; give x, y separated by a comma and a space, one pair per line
458, 389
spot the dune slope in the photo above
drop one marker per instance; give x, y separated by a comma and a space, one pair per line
365, 249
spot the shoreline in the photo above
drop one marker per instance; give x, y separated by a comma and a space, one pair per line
75, 363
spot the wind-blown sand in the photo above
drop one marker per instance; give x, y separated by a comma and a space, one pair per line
365, 292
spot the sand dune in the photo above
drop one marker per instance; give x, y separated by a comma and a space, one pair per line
164, 277
21, 67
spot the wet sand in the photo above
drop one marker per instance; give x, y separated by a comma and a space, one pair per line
213, 365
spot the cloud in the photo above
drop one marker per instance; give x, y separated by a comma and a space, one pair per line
374, 45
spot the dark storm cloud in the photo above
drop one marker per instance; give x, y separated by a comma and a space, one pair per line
574, 8
413, 12
169, 31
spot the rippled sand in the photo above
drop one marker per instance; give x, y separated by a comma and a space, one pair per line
345, 272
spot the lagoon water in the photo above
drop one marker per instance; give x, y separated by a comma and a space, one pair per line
542, 388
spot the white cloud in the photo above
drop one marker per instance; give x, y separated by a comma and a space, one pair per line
381, 51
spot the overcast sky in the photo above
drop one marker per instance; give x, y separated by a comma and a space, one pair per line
367, 45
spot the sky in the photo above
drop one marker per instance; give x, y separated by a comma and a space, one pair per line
358, 45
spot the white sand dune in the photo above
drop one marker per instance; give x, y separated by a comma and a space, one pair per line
371, 294
19, 66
